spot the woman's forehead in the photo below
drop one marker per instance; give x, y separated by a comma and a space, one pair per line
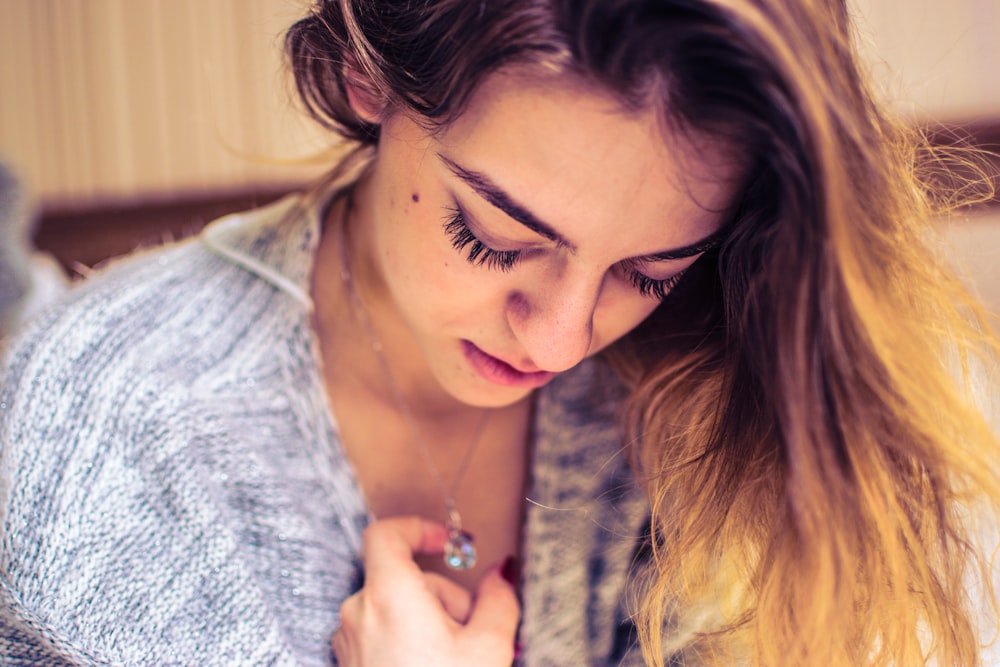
569, 153
557, 127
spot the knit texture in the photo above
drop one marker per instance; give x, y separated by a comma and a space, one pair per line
173, 490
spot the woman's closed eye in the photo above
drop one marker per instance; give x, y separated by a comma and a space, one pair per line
479, 253
652, 287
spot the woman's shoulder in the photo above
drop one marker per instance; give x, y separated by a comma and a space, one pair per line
587, 398
162, 309
118, 407
585, 517
130, 347
579, 449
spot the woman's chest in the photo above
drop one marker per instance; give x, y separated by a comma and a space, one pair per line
482, 474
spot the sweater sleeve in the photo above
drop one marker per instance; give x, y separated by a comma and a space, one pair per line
114, 550
28, 642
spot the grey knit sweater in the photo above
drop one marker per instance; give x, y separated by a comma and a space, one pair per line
173, 490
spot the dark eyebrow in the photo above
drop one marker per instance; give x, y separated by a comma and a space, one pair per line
501, 200
710, 242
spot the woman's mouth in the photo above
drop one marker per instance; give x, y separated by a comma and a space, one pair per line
500, 372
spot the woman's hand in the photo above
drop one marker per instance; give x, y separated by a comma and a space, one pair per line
404, 617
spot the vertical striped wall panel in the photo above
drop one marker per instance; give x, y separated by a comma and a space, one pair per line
116, 100
110, 100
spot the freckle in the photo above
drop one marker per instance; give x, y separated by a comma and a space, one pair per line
416, 197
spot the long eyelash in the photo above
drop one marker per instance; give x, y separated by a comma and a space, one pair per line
478, 252
654, 288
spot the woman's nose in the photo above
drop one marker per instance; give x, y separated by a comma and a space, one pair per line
554, 321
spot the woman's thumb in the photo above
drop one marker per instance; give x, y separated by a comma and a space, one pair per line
496, 610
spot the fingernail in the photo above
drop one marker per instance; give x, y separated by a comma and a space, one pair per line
511, 571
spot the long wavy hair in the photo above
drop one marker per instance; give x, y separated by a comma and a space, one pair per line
809, 406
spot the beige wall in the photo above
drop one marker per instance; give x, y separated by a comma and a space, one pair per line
934, 58
940, 59
110, 99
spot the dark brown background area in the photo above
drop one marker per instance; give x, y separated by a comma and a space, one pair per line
89, 237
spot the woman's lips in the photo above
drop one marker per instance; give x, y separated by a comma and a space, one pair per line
500, 372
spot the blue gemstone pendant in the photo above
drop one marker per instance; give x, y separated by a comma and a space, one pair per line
459, 552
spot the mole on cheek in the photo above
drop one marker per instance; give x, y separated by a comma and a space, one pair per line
416, 198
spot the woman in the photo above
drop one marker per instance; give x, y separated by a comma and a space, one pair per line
687, 219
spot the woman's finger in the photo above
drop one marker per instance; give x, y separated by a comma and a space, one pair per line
455, 599
350, 617
389, 544
339, 645
495, 612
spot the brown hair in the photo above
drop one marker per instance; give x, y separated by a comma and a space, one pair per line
805, 402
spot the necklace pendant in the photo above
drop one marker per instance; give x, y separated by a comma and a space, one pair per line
459, 552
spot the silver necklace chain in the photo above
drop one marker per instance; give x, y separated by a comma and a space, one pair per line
460, 554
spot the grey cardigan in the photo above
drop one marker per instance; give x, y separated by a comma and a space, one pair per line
173, 490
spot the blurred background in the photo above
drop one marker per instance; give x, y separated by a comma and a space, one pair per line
127, 122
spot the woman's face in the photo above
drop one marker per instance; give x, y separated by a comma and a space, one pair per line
541, 226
